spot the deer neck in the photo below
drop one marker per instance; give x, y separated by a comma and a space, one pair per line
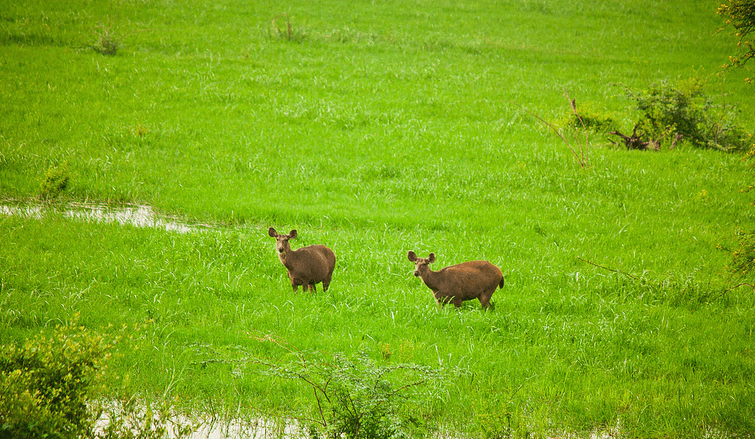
287, 257
431, 278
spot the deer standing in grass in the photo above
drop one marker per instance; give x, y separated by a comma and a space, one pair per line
306, 266
457, 283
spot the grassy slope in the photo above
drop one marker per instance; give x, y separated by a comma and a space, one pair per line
384, 128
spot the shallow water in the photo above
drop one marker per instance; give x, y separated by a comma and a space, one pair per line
213, 429
134, 215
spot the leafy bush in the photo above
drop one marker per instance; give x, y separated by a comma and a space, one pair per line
55, 180
684, 109
743, 259
354, 397
48, 387
45, 384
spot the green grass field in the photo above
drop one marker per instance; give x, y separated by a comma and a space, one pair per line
377, 128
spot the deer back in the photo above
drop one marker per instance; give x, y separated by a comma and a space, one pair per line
313, 262
468, 279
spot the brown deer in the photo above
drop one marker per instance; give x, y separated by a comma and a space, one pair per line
457, 283
306, 266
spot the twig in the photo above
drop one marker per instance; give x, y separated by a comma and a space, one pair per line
609, 269
573, 104
743, 284
555, 130
583, 156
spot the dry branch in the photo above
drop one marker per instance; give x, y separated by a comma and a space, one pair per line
637, 141
583, 156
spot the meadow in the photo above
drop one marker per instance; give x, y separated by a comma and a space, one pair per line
377, 128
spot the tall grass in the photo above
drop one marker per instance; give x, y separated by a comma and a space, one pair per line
383, 128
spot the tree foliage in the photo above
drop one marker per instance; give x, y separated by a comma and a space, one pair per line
740, 14
743, 260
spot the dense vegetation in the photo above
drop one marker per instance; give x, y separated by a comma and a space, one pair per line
379, 128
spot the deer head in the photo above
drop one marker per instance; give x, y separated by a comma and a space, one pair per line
281, 241
421, 265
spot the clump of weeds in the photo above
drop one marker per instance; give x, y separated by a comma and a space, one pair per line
107, 42
55, 180
353, 397
282, 28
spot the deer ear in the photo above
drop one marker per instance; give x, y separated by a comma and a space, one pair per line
412, 256
271, 231
292, 235
431, 258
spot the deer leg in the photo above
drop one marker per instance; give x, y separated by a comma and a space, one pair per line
312, 288
485, 300
442, 300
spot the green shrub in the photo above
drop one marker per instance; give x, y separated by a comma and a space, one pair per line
740, 15
356, 398
48, 389
55, 180
45, 384
684, 109
743, 258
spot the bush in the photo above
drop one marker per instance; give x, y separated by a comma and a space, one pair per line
683, 109
354, 397
46, 382
55, 180
743, 259
48, 387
